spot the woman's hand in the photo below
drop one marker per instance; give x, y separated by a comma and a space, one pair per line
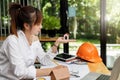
64, 39
58, 41
61, 40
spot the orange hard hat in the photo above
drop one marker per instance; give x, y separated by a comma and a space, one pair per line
88, 52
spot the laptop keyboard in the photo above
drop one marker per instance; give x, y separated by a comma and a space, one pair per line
103, 77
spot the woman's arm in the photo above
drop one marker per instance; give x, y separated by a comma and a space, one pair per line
45, 58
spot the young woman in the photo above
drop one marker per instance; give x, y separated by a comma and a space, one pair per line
21, 48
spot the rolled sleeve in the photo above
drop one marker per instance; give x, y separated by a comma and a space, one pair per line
31, 73
26, 73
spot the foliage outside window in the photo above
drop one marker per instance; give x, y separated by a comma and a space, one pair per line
51, 23
51, 20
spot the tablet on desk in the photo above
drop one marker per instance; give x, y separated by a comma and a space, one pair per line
65, 57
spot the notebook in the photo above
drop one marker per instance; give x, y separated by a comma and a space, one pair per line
65, 57
114, 73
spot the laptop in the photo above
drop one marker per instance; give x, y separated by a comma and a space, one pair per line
115, 73
95, 76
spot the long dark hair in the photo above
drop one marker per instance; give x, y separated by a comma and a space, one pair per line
23, 14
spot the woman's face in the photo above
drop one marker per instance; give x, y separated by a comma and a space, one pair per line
35, 30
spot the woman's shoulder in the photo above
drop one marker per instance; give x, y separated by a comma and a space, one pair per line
11, 38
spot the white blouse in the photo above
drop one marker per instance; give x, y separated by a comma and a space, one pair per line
17, 58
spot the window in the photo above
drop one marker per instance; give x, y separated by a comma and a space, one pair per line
113, 31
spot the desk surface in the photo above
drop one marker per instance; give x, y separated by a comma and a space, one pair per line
48, 39
2, 38
99, 68
84, 69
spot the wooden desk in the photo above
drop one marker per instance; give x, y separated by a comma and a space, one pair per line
47, 39
43, 39
99, 68
52, 39
2, 38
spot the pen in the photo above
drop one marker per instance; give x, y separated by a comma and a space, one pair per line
55, 62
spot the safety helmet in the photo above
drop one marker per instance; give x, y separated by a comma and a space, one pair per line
88, 52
